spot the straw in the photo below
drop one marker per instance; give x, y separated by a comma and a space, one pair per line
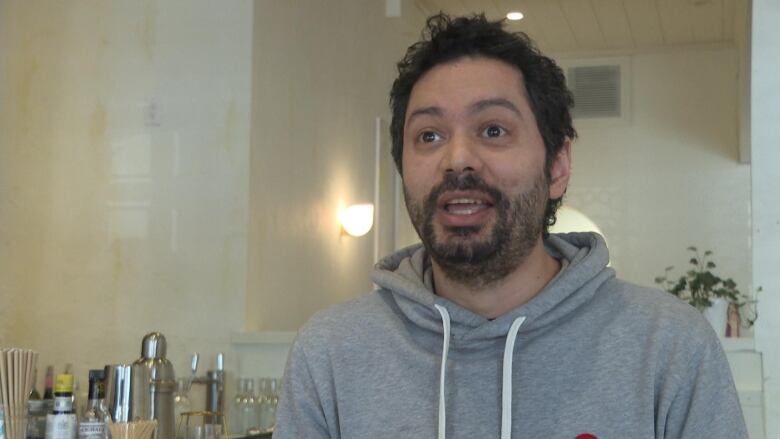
14, 380
4, 381
17, 381
28, 374
132, 430
18, 391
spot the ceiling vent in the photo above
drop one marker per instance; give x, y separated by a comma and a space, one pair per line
600, 88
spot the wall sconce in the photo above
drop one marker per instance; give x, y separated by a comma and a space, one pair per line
357, 219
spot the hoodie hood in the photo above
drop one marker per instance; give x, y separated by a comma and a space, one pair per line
406, 275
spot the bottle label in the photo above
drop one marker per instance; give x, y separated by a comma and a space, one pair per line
92, 430
63, 426
63, 404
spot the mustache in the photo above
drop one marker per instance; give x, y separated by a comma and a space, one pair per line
464, 181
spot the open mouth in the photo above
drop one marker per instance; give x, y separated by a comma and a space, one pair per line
465, 206
464, 209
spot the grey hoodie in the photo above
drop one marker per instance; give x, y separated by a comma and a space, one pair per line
589, 356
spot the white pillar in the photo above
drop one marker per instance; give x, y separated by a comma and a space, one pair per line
765, 154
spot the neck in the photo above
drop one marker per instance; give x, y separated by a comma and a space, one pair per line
498, 298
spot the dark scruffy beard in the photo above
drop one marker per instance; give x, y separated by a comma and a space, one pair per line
476, 262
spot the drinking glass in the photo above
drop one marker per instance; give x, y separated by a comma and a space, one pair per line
202, 425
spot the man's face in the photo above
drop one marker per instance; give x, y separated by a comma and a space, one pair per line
473, 169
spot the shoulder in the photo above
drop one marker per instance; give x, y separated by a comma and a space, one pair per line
651, 303
660, 329
346, 324
655, 315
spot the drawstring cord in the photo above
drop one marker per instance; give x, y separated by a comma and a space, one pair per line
445, 320
506, 390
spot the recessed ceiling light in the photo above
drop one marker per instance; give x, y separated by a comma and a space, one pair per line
515, 15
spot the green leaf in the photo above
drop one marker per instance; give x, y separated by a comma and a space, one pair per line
694, 261
692, 248
708, 279
710, 264
708, 253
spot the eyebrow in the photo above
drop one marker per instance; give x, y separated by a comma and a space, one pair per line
494, 102
476, 107
430, 111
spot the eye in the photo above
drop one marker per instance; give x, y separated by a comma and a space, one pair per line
429, 136
493, 131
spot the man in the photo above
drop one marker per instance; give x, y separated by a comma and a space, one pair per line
493, 328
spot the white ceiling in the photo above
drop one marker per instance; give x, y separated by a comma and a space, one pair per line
592, 25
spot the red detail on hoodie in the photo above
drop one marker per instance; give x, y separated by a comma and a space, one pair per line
586, 436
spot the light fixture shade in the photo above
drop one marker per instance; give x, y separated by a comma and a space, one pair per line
572, 220
357, 219
515, 15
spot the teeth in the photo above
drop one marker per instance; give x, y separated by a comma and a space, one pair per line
465, 206
465, 201
463, 210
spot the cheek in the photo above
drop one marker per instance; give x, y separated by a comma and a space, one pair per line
414, 189
510, 178
417, 175
515, 172
522, 183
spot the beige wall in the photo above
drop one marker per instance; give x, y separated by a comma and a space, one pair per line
112, 227
313, 136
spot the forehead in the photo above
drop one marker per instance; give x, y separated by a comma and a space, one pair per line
456, 84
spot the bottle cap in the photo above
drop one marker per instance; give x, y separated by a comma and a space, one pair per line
64, 383
97, 375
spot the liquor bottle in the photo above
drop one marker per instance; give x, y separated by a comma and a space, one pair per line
48, 392
36, 413
34, 395
61, 423
92, 424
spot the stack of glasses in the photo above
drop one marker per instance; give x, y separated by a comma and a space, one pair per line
254, 408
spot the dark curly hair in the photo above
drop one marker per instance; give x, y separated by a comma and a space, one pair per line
445, 39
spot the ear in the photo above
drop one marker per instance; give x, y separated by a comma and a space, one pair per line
560, 171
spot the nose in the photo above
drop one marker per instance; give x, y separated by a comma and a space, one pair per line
460, 155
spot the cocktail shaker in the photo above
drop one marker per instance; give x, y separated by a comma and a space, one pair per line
153, 384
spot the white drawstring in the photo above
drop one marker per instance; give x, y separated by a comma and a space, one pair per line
445, 320
506, 389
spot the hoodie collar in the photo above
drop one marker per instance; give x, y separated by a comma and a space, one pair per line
584, 257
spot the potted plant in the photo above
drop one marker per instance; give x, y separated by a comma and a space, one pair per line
708, 292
